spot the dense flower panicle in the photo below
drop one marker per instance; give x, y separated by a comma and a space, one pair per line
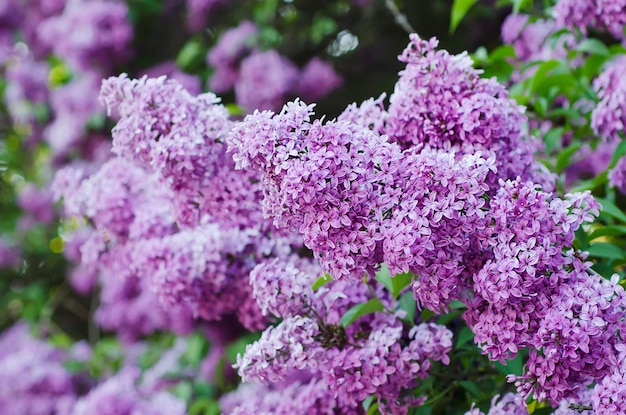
192, 268
290, 345
36, 202
617, 175
603, 15
281, 289
440, 100
33, 380
310, 398
370, 114
171, 70
529, 229
609, 117
609, 396
343, 186
179, 136
532, 39
374, 355
588, 162
226, 55
317, 79
199, 12
119, 395
510, 404
73, 105
26, 88
266, 79
90, 33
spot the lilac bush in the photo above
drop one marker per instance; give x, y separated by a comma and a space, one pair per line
457, 247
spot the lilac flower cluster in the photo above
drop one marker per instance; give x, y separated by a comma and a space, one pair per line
609, 117
33, 380
603, 15
124, 204
510, 404
440, 100
617, 175
90, 33
199, 12
163, 127
535, 40
119, 395
536, 294
373, 356
343, 185
264, 80
299, 396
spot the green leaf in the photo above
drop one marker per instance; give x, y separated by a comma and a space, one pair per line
408, 304
204, 406
553, 138
605, 250
593, 46
472, 388
459, 10
360, 310
373, 409
323, 280
518, 4
394, 284
611, 230
368, 401
465, 335
191, 53
564, 157
512, 367
384, 277
610, 209
618, 153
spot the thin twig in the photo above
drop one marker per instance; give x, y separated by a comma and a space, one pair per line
399, 17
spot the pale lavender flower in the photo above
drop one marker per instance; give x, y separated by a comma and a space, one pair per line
225, 57
609, 117
266, 79
317, 79
90, 33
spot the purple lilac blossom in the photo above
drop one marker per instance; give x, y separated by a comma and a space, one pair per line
119, 395
371, 114
37, 203
73, 105
609, 117
440, 100
33, 380
90, 34
617, 175
27, 86
372, 356
609, 396
588, 163
317, 79
227, 53
603, 15
9, 254
312, 398
266, 79
164, 128
510, 404
535, 41
340, 184
190, 82
199, 12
